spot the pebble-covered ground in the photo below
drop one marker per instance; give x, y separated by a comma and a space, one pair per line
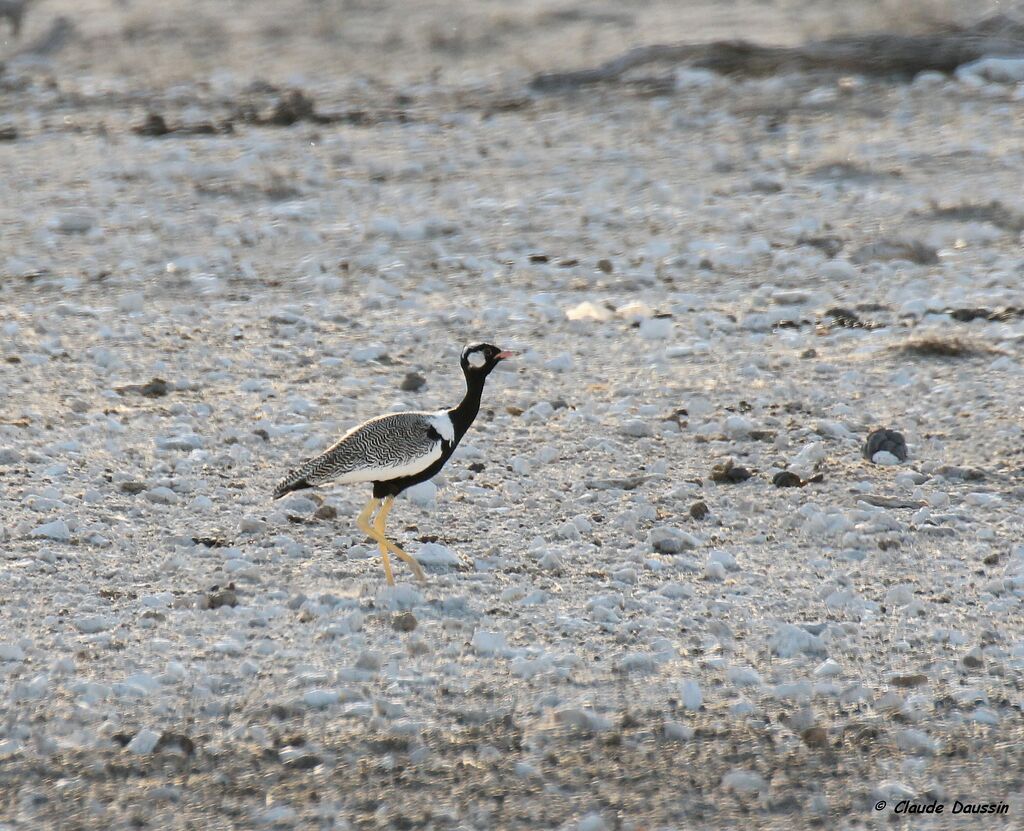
666, 588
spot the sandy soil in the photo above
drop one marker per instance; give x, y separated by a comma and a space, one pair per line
696, 268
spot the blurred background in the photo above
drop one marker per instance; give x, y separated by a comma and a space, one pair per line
154, 43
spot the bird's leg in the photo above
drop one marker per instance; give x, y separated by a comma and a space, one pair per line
363, 523
378, 524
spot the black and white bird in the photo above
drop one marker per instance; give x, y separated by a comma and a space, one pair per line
397, 451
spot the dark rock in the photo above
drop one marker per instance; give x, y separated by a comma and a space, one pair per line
210, 542
787, 479
815, 737
326, 512
294, 107
132, 487
895, 249
699, 510
154, 125
888, 440
728, 472
156, 388
223, 597
605, 266
413, 382
829, 246
178, 742
404, 622
909, 680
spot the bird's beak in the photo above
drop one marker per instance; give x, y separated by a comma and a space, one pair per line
508, 353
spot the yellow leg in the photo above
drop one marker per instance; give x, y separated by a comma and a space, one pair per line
406, 558
363, 523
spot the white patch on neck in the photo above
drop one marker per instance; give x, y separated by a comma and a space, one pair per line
476, 359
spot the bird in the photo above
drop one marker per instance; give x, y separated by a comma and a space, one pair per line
397, 451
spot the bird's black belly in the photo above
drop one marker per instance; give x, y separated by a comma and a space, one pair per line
393, 487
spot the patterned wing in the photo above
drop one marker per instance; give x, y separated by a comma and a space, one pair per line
385, 447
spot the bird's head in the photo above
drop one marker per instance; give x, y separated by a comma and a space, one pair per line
481, 358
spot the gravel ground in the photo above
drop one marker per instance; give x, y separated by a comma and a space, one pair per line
719, 286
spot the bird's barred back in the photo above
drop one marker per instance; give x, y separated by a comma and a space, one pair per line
385, 447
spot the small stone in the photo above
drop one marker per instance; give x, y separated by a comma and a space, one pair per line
223, 597
423, 495
589, 311
592, 822
714, 571
909, 680
162, 496
815, 737
885, 459
580, 719
743, 781
667, 540
91, 624
326, 512
737, 427
488, 643
321, 699
743, 676
550, 561
895, 249
11, 652
974, 659
656, 328
413, 382
674, 731
370, 661
916, 741
691, 695
728, 472
699, 510
73, 222
883, 440
57, 531
144, 742
435, 554
828, 669
637, 428
787, 479
404, 622
605, 266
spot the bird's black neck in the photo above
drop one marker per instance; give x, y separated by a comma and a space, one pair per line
463, 415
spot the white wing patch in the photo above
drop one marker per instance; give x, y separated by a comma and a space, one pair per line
442, 422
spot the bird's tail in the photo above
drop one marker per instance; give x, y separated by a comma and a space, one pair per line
294, 481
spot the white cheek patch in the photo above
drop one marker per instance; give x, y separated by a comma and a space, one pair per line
476, 359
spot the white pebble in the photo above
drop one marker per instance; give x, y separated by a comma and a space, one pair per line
91, 624
144, 742
656, 328
744, 781
319, 699
488, 643
435, 554
423, 495
743, 676
692, 697
637, 428
11, 652
57, 530
884, 457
